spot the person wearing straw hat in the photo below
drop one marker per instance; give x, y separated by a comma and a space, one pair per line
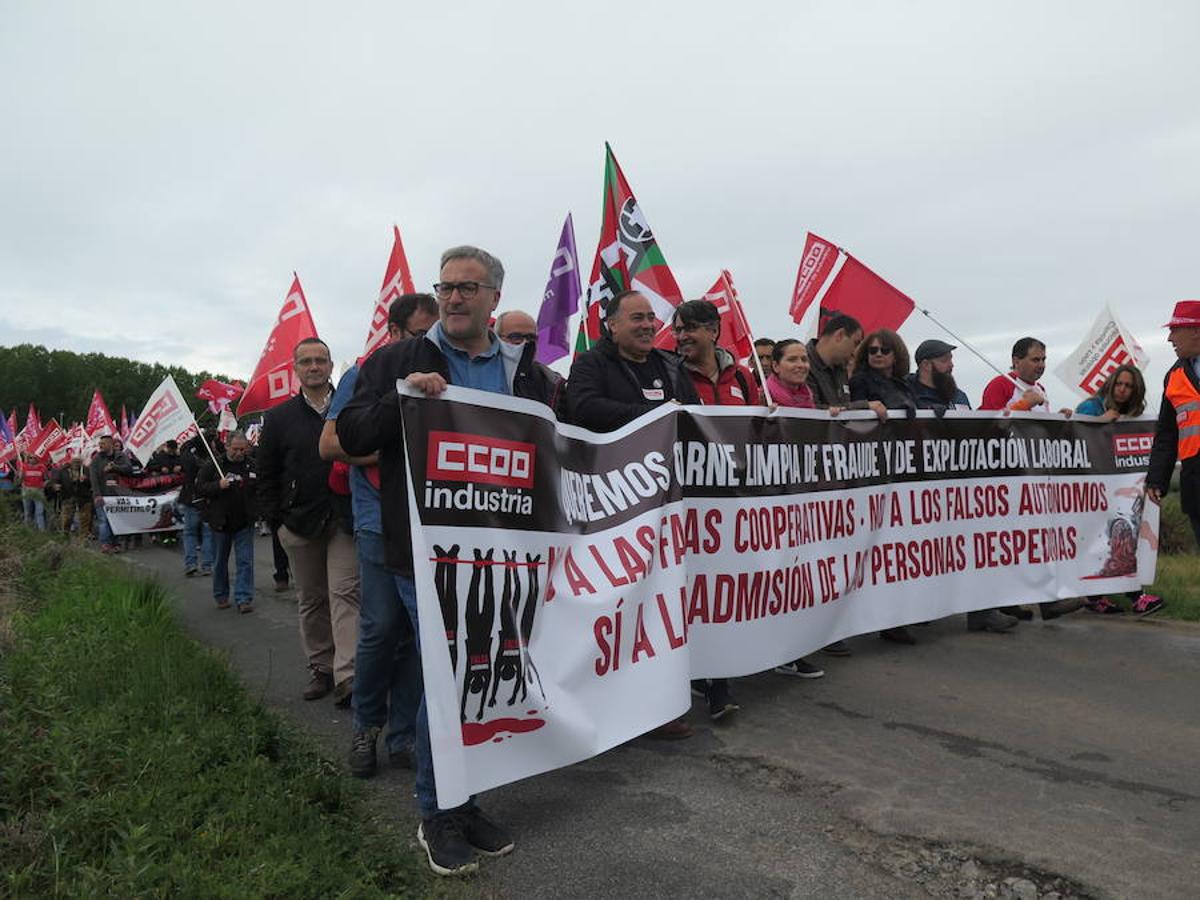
1177, 434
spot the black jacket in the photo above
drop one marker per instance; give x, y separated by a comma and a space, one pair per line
192, 456
894, 393
228, 509
830, 385
603, 393
1165, 450
293, 480
370, 423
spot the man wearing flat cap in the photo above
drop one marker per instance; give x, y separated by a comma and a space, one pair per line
1177, 434
933, 383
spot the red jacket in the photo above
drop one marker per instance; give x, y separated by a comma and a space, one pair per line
735, 386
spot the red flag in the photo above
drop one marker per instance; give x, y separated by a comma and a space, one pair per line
50, 438
124, 427
219, 394
33, 422
735, 330
99, 419
274, 380
397, 280
859, 292
12, 422
852, 289
815, 267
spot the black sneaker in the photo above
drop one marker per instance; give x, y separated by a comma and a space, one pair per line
700, 687
362, 752
446, 845
483, 834
838, 648
720, 701
800, 668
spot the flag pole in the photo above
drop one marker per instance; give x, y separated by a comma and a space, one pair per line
204, 441
964, 343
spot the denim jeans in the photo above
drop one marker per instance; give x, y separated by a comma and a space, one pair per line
196, 532
425, 787
105, 532
387, 666
34, 508
242, 544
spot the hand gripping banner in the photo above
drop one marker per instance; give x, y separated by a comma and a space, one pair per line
571, 584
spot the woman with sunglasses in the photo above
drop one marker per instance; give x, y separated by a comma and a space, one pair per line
881, 373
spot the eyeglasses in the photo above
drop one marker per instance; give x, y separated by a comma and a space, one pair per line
443, 290
417, 333
519, 337
879, 351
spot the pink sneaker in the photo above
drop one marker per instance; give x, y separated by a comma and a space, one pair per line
1104, 606
1147, 604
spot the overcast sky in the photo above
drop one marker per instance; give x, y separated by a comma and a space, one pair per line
1012, 166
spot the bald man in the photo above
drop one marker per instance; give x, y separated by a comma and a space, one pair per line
516, 327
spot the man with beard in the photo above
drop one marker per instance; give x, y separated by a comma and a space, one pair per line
933, 383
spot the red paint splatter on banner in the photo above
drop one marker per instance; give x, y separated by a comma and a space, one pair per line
478, 732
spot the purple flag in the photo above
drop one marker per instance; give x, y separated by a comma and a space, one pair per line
561, 299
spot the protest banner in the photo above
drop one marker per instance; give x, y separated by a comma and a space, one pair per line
144, 513
572, 584
1107, 345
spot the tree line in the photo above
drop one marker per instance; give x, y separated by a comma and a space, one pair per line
60, 383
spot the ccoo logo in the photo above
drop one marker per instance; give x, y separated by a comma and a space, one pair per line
454, 456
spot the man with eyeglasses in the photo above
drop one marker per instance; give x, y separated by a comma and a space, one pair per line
295, 498
387, 667
516, 327
625, 376
461, 350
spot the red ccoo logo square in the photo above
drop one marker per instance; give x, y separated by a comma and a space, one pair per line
1132, 444
454, 456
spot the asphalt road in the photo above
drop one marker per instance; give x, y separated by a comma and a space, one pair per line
1064, 754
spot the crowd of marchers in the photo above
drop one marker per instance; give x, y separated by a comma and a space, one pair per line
326, 480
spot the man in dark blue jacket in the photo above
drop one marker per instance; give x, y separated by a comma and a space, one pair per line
460, 349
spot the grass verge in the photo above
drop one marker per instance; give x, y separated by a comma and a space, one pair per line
132, 763
1177, 581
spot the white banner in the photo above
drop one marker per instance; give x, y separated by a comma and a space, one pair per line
572, 584
165, 417
1107, 345
144, 513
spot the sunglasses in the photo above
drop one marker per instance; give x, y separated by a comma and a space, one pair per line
879, 351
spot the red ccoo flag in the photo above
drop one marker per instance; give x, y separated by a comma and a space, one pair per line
851, 289
735, 330
397, 280
99, 419
273, 380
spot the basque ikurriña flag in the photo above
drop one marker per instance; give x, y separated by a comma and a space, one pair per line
560, 299
627, 258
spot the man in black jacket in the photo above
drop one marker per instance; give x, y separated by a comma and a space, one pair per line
294, 496
230, 514
625, 376
460, 349
197, 536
